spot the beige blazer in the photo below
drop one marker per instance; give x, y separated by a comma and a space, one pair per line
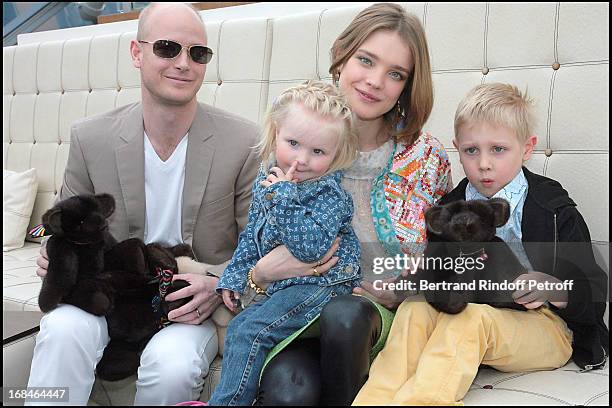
107, 156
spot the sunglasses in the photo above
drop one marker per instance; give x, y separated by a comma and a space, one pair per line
171, 49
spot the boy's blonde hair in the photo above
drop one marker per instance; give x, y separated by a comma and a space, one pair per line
323, 99
499, 104
407, 117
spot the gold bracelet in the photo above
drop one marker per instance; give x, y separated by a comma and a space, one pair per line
253, 285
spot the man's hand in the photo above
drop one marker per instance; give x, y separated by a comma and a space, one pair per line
533, 297
276, 175
204, 302
43, 263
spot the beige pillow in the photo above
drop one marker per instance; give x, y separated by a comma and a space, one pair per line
18, 196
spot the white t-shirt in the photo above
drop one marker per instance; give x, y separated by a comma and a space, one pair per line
164, 193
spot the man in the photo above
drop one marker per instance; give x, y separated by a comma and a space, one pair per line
180, 171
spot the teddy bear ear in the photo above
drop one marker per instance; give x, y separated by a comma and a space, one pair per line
52, 220
182, 250
106, 203
435, 218
501, 211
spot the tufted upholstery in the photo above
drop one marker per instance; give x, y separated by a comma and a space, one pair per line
560, 52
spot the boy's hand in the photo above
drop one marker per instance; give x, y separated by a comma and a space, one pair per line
535, 294
230, 299
277, 174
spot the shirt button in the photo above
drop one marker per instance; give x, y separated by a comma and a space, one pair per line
269, 196
349, 269
272, 221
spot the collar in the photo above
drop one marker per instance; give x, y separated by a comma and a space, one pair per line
514, 192
543, 192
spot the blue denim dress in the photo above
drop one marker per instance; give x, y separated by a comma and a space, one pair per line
306, 218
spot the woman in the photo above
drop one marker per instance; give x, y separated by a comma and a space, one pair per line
381, 63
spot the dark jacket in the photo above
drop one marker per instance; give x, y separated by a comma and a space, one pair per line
550, 222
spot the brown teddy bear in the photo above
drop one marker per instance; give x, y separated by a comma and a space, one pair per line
126, 282
462, 235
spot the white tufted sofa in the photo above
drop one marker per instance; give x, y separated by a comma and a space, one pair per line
559, 51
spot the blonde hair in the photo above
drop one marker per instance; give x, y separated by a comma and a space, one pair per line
323, 99
406, 119
500, 104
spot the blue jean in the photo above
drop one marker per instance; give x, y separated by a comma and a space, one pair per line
256, 330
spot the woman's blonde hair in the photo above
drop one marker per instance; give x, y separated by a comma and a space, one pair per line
407, 117
323, 99
500, 104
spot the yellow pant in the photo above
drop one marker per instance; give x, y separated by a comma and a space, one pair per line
432, 358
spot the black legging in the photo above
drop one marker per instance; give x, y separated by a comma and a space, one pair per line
329, 370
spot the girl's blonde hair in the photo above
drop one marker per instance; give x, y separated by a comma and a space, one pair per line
406, 119
500, 104
323, 99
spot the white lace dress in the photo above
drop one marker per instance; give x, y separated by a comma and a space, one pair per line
357, 181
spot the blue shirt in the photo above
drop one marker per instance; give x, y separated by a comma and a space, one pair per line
515, 193
306, 217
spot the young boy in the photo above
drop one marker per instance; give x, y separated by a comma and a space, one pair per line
432, 357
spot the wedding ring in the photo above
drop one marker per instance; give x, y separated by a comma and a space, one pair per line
320, 263
315, 272
198, 312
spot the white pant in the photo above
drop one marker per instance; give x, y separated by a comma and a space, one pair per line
172, 366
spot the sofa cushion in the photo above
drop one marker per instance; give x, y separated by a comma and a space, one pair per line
564, 386
18, 195
20, 284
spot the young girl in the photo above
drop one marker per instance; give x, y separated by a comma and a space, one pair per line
297, 202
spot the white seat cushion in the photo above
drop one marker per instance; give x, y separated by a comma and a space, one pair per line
564, 386
20, 284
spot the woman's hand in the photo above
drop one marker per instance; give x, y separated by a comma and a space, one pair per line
205, 299
280, 264
387, 298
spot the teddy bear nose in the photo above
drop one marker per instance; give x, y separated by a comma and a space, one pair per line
464, 226
463, 220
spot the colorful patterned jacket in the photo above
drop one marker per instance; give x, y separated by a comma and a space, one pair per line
415, 179
305, 217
